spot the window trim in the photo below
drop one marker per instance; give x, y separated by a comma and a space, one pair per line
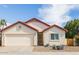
54, 39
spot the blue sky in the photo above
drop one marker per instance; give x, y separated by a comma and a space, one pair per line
58, 14
12, 13
74, 13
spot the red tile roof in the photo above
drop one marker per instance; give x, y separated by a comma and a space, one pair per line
38, 21
25, 23
55, 26
21, 23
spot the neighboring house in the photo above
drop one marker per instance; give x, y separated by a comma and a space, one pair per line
32, 33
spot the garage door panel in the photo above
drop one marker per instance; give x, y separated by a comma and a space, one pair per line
18, 40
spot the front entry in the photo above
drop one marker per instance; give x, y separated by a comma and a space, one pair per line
40, 39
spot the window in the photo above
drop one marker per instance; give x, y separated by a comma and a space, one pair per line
18, 27
54, 37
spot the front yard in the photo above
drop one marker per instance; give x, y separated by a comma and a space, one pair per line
47, 49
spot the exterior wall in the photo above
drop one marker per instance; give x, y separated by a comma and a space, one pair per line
23, 30
39, 26
47, 37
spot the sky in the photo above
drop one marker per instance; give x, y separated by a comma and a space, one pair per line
50, 13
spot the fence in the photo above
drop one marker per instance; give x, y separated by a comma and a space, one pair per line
70, 42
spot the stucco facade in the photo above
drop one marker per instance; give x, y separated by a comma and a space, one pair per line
19, 33
39, 25
54, 30
26, 34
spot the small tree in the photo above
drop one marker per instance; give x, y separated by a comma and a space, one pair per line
2, 25
71, 26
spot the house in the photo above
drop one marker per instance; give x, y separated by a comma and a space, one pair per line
32, 33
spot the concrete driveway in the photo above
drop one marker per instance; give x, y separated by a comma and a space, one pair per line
15, 49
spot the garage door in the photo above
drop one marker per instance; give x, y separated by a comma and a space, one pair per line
18, 40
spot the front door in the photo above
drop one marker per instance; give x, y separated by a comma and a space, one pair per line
40, 39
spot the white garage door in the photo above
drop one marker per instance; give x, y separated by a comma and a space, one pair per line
18, 40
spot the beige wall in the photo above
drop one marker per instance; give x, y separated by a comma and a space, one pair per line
37, 25
24, 30
47, 36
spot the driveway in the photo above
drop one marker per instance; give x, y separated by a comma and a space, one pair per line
15, 49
